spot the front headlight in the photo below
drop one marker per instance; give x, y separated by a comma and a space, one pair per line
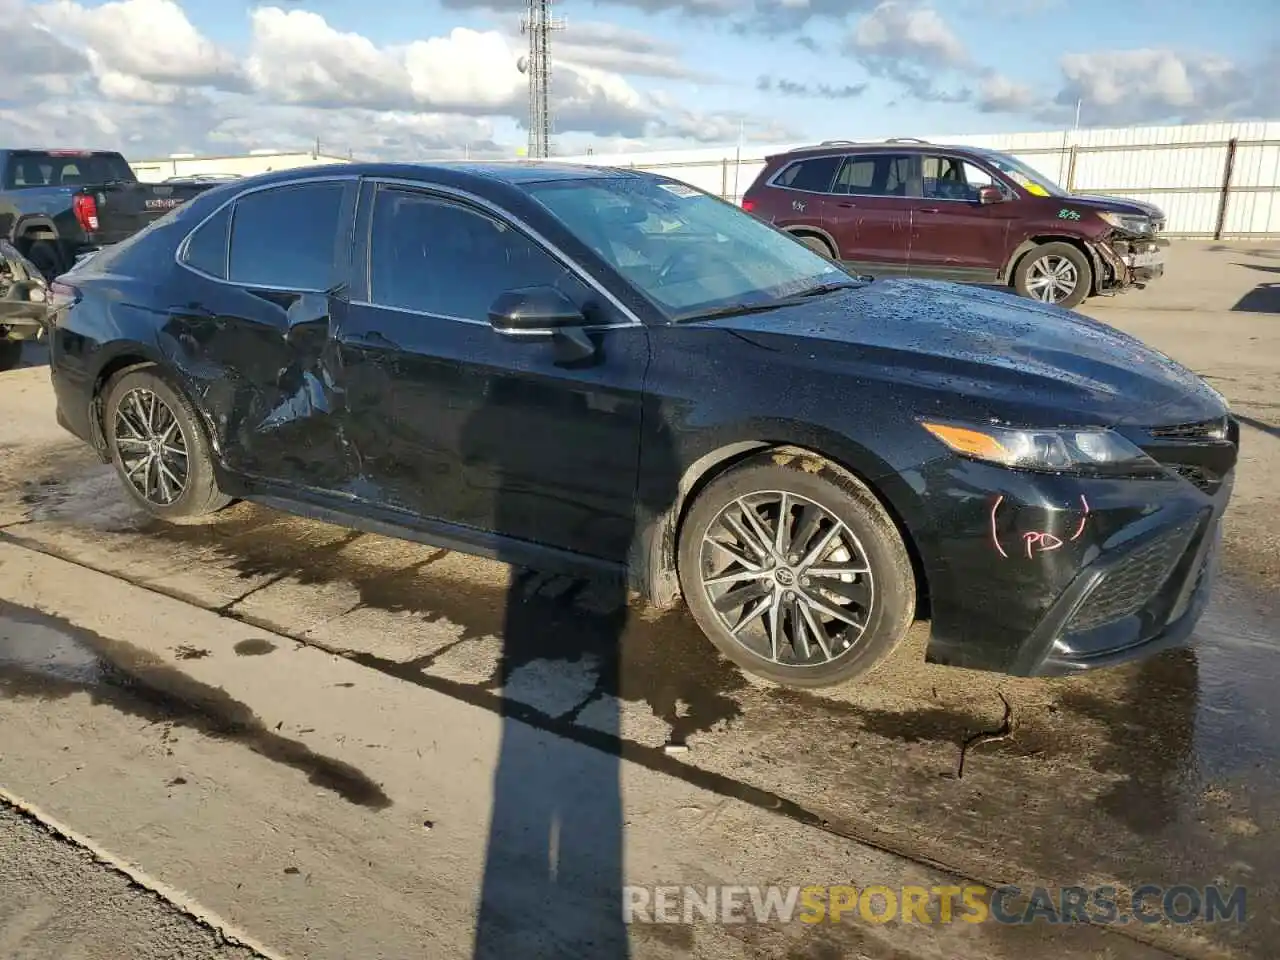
1094, 452
1129, 223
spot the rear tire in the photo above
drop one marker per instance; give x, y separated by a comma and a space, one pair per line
1056, 273
817, 245
10, 354
159, 448
824, 613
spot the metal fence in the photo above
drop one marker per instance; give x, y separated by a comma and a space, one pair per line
1221, 188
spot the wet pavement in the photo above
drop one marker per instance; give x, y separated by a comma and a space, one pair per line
1163, 772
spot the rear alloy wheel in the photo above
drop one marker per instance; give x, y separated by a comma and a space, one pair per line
159, 449
795, 572
10, 353
1056, 273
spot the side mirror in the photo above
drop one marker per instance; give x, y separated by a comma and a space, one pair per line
534, 310
990, 195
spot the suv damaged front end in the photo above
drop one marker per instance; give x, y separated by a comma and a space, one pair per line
1132, 252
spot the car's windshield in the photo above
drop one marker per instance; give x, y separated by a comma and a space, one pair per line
1026, 177
687, 251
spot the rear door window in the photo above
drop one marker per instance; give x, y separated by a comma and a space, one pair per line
813, 175
285, 237
875, 175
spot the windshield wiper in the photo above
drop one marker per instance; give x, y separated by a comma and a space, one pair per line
731, 310
819, 289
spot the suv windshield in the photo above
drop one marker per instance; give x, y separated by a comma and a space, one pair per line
688, 252
1026, 177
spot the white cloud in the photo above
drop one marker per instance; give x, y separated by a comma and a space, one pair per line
149, 39
904, 31
138, 75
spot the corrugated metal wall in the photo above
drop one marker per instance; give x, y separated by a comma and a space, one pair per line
1212, 180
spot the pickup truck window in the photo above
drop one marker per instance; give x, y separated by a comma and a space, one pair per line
207, 248
47, 168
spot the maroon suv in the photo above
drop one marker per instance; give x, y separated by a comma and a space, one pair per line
958, 213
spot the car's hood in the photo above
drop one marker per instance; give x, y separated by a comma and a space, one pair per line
995, 351
1116, 205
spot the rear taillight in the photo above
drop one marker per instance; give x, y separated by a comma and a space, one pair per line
748, 205
85, 208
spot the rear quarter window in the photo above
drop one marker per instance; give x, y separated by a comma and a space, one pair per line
813, 174
206, 249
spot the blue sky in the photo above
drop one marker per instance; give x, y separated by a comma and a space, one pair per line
216, 74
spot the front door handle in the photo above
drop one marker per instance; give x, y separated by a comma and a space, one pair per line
929, 210
846, 204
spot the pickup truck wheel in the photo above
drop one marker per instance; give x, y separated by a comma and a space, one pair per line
160, 450
795, 571
1056, 273
10, 353
47, 258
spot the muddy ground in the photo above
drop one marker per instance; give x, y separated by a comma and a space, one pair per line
1160, 772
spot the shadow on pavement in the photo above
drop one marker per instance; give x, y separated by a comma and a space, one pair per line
555, 847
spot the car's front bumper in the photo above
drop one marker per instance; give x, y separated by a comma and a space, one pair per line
1044, 575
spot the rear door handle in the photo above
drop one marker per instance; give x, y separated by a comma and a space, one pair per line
929, 210
846, 204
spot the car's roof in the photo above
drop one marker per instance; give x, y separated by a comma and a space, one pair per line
909, 145
502, 171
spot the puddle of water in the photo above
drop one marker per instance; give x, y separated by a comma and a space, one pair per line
45, 658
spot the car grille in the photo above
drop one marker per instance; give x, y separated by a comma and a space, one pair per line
1131, 584
1199, 430
1203, 478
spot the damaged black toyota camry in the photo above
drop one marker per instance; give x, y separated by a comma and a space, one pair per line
611, 373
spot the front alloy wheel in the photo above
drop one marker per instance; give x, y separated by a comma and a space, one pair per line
787, 578
794, 569
1052, 279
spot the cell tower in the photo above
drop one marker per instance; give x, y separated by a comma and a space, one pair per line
538, 23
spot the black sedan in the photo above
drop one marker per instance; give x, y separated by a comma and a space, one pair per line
586, 369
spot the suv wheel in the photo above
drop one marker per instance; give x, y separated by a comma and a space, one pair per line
159, 448
794, 570
817, 245
1055, 273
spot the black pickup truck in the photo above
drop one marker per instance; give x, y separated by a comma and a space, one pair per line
56, 205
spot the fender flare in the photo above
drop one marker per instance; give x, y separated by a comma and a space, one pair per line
31, 222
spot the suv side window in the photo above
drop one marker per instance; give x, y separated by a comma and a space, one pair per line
434, 256
951, 178
286, 236
874, 175
207, 248
813, 175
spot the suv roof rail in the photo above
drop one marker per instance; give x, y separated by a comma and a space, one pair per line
830, 143
905, 140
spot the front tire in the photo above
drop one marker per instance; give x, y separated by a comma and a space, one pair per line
159, 448
811, 605
1056, 273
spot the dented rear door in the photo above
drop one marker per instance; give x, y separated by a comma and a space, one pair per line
252, 330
